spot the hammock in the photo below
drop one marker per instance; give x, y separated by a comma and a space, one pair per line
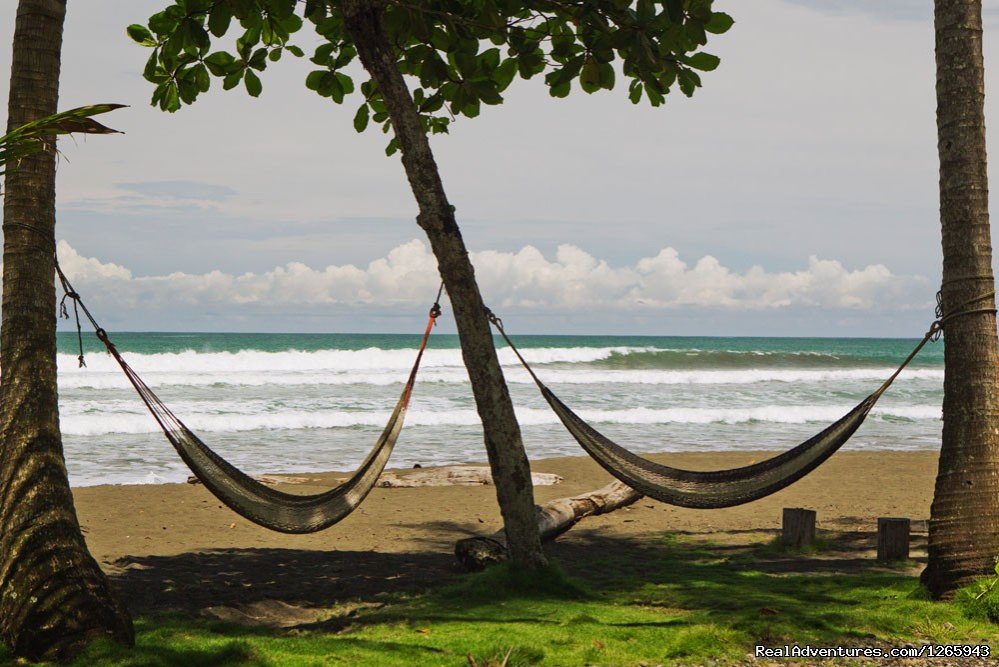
264, 506
717, 488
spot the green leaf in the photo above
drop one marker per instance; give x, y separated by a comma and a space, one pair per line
294, 50
635, 92
607, 76
290, 24
346, 83
171, 98
322, 54
164, 22
140, 35
589, 77
313, 80
187, 88
647, 11
258, 60
197, 38
336, 91
219, 19
201, 78
703, 61
674, 8
152, 68
245, 44
718, 23
361, 118
505, 73
688, 81
232, 80
219, 63
655, 97
560, 90
252, 82
267, 32
486, 91
327, 82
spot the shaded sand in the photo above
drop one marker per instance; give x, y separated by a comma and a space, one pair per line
174, 546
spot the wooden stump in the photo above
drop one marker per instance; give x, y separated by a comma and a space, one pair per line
798, 527
893, 539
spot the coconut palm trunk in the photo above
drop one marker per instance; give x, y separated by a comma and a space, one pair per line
53, 596
504, 446
964, 524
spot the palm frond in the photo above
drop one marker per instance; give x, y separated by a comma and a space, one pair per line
40, 134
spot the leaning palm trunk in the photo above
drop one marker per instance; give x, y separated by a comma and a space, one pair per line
53, 596
504, 446
964, 523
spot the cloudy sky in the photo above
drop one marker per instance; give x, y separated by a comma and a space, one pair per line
795, 194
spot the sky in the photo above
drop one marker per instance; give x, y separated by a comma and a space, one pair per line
794, 195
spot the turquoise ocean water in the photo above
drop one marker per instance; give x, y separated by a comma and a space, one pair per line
306, 402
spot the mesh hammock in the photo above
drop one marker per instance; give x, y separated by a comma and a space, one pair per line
717, 488
264, 506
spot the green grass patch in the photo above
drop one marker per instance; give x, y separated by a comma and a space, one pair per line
674, 601
981, 600
777, 547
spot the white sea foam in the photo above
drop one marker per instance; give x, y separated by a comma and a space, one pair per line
367, 359
92, 424
96, 376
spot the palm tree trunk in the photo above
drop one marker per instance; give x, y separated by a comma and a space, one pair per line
510, 467
964, 524
53, 596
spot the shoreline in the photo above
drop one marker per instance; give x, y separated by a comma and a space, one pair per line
849, 492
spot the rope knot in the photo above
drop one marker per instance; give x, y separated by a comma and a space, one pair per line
936, 331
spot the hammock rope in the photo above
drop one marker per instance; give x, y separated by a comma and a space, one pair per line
265, 506
736, 486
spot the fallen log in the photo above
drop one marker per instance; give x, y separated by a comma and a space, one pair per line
270, 480
454, 476
445, 476
554, 518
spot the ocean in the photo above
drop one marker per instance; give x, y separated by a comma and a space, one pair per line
309, 402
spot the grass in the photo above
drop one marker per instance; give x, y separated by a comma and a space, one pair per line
675, 601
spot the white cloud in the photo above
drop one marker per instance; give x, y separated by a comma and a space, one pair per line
573, 281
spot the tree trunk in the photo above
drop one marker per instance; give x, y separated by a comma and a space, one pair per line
964, 522
555, 518
504, 446
53, 596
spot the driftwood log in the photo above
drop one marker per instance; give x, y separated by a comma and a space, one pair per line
446, 476
554, 518
454, 476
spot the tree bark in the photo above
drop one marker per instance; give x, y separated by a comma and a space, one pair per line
964, 522
554, 519
504, 445
798, 527
53, 596
893, 539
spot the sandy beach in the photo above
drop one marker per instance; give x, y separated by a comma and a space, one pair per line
174, 546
